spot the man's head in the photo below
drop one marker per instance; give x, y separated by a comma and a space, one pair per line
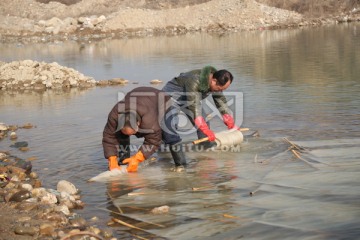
220, 80
129, 122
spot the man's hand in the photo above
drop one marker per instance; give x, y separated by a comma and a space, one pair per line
113, 163
201, 124
229, 121
134, 161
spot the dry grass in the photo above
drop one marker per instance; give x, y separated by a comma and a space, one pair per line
312, 8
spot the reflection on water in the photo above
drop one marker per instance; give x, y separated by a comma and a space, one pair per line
302, 84
34, 99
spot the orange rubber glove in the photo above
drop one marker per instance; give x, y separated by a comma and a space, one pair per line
201, 124
134, 161
228, 120
113, 163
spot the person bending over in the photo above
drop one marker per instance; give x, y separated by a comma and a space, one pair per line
187, 90
139, 114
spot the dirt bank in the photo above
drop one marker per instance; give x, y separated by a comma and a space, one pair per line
41, 20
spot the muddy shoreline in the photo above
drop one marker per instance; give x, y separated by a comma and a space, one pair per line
89, 35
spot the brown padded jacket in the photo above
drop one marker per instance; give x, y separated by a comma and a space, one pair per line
150, 104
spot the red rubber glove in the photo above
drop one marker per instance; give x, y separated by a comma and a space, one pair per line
228, 120
134, 161
113, 163
201, 124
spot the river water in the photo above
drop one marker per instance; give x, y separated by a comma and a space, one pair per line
298, 84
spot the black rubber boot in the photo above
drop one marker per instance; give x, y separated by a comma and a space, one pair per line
177, 153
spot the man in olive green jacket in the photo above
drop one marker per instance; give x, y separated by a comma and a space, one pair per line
187, 90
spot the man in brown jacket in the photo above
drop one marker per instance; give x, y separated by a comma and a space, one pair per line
139, 114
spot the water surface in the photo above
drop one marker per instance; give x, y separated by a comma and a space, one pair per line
302, 84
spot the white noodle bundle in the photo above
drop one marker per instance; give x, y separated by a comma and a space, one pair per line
230, 137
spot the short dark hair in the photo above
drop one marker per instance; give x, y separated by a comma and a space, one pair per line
222, 77
128, 119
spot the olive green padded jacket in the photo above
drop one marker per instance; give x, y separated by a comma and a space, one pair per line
195, 84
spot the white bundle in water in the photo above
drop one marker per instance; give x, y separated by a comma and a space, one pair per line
230, 137
104, 176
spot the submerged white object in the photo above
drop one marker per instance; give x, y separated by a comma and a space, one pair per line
108, 174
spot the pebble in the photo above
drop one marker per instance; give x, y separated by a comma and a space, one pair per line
31, 158
13, 127
47, 229
3, 127
66, 186
3, 156
26, 166
61, 233
33, 175
48, 198
107, 232
62, 208
24, 149
178, 169
79, 204
24, 219
13, 136
22, 230
19, 144
68, 203
60, 218
27, 186
118, 81
38, 192
10, 185
36, 183
160, 210
20, 196
95, 230
78, 222
26, 206
27, 126
156, 81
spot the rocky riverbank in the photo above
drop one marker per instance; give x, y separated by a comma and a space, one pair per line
30, 75
30, 211
42, 21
